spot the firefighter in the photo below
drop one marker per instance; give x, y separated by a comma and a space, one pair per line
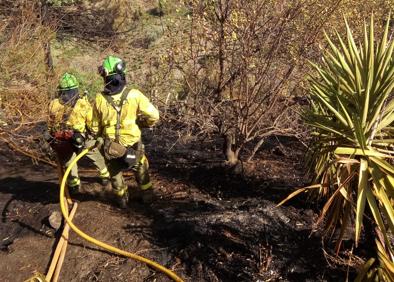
66, 112
118, 114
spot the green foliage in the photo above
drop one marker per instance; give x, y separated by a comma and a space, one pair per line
88, 81
81, 60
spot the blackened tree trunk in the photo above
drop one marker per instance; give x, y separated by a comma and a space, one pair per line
46, 45
230, 150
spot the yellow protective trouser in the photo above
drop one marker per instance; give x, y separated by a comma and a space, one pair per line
97, 158
66, 155
141, 173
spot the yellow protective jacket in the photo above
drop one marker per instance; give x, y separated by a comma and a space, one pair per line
81, 115
58, 116
105, 116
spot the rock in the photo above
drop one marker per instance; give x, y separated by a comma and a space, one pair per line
55, 220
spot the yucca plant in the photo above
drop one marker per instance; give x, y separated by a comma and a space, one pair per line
352, 115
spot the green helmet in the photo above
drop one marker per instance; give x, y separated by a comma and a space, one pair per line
67, 82
112, 65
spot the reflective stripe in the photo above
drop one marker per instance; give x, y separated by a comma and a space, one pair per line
104, 173
143, 159
74, 182
146, 186
120, 192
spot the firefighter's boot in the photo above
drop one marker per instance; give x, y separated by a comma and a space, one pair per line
104, 177
74, 186
122, 197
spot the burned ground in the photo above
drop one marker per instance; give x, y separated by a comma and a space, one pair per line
207, 224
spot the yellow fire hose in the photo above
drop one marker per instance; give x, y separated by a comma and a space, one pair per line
96, 242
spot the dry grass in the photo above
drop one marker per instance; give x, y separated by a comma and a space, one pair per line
25, 75
26, 81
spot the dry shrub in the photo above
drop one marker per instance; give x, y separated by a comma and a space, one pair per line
241, 68
25, 83
100, 22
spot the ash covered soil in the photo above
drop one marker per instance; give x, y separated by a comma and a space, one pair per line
206, 224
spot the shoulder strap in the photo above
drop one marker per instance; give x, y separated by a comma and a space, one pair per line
124, 96
118, 110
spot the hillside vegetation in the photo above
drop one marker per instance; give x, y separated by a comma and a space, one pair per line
228, 77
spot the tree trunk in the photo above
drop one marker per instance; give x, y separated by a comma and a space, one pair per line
46, 45
229, 149
48, 57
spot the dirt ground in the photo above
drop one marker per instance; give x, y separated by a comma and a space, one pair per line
206, 224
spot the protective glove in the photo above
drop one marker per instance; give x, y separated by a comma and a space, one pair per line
78, 140
143, 122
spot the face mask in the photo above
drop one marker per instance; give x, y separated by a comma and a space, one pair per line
114, 84
68, 97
